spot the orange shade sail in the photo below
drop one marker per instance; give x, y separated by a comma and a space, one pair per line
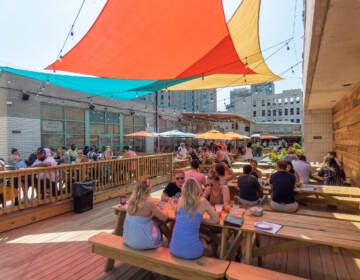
156, 39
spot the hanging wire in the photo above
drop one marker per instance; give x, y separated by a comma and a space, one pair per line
71, 31
290, 68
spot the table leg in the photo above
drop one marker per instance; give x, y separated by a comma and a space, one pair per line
119, 227
248, 247
224, 235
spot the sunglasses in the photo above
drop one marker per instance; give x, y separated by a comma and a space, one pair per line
179, 178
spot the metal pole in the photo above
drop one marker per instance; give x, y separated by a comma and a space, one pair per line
157, 119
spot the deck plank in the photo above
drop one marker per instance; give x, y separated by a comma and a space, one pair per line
57, 248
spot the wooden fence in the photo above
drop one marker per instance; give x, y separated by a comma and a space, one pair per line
33, 187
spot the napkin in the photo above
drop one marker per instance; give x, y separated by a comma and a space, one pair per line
274, 227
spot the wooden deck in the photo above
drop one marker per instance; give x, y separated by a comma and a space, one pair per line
57, 248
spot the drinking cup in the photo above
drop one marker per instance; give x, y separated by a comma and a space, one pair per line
218, 209
122, 199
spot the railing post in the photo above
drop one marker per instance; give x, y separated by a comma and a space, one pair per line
137, 169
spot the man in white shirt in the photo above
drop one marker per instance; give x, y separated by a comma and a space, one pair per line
47, 179
182, 151
303, 168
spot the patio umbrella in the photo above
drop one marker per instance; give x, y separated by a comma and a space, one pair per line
141, 134
211, 134
176, 133
235, 136
267, 137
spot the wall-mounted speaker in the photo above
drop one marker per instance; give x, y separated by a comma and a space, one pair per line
25, 97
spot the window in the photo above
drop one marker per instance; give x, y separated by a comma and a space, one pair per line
254, 103
263, 102
297, 99
280, 112
286, 112
291, 100
297, 111
263, 113
292, 120
286, 100
291, 111
279, 101
274, 112
62, 126
269, 113
268, 103
254, 113
297, 120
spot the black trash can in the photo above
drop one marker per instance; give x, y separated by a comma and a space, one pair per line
83, 196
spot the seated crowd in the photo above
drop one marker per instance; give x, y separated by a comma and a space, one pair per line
192, 194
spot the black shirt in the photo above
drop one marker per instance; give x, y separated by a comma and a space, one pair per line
172, 189
283, 184
249, 188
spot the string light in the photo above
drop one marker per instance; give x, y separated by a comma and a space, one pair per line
71, 32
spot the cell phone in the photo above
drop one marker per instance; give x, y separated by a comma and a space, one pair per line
231, 220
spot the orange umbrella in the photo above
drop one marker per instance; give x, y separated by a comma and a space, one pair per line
142, 134
235, 136
212, 134
268, 137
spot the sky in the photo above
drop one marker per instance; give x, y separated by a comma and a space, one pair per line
34, 31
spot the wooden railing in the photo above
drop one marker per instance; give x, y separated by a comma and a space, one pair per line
32, 187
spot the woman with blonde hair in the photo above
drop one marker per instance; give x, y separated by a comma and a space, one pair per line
185, 242
140, 231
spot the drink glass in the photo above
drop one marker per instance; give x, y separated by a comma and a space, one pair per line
218, 209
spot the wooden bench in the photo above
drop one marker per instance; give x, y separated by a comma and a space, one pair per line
158, 260
237, 271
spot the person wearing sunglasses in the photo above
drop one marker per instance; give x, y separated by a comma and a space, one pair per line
173, 189
215, 192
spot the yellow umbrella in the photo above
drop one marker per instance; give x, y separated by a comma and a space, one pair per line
235, 136
212, 134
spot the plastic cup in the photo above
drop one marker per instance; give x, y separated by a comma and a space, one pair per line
218, 209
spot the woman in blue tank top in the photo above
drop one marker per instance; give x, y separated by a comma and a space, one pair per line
185, 242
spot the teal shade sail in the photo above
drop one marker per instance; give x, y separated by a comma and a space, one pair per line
121, 89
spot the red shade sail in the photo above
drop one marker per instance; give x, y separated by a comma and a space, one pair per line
156, 39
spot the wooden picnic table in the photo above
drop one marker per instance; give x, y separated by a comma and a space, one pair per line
225, 252
300, 231
264, 165
266, 173
330, 190
330, 195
